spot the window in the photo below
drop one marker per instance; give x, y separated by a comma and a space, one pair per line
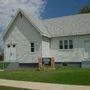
8, 46
70, 44
14, 45
65, 44
32, 47
61, 44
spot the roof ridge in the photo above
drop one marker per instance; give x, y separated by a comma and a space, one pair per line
71, 25
65, 17
37, 23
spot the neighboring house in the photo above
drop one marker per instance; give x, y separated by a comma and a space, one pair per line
67, 39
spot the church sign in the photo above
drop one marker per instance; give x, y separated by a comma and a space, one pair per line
46, 61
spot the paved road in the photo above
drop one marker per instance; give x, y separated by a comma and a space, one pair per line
40, 86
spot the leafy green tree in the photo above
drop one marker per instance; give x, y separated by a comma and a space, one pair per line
85, 9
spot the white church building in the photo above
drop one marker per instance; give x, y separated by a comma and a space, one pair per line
67, 39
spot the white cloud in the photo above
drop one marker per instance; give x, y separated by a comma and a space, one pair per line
9, 7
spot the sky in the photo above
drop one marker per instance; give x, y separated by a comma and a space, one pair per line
44, 9
8, 9
57, 8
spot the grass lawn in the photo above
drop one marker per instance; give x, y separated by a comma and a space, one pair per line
3, 65
76, 76
11, 88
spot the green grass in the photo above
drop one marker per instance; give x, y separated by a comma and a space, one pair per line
3, 65
11, 88
76, 76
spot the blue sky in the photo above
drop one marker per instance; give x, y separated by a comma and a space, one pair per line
40, 8
57, 8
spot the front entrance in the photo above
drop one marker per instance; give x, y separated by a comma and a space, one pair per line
11, 52
87, 50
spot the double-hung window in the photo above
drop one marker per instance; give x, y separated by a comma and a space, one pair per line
32, 47
65, 44
61, 44
70, 44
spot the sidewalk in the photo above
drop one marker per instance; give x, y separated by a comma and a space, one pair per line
41, 86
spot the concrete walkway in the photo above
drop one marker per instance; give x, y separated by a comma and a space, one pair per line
40, 86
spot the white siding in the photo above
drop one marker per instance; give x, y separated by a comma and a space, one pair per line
46, 47
77, 54
22, 33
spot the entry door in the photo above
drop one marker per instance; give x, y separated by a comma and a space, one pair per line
87, 50
11, 53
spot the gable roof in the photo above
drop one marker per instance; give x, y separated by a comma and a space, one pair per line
37, 23
69, 25
61, 26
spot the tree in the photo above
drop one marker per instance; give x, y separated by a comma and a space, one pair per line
85, 9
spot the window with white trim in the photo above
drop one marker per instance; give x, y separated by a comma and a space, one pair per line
70, 44
66, 44
61, 44
32, 47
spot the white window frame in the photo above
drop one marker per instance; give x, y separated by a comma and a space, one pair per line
68, 44
61, 45
32, 47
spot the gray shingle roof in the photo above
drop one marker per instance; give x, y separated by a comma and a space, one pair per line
62, 26
37, 23
69, 25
